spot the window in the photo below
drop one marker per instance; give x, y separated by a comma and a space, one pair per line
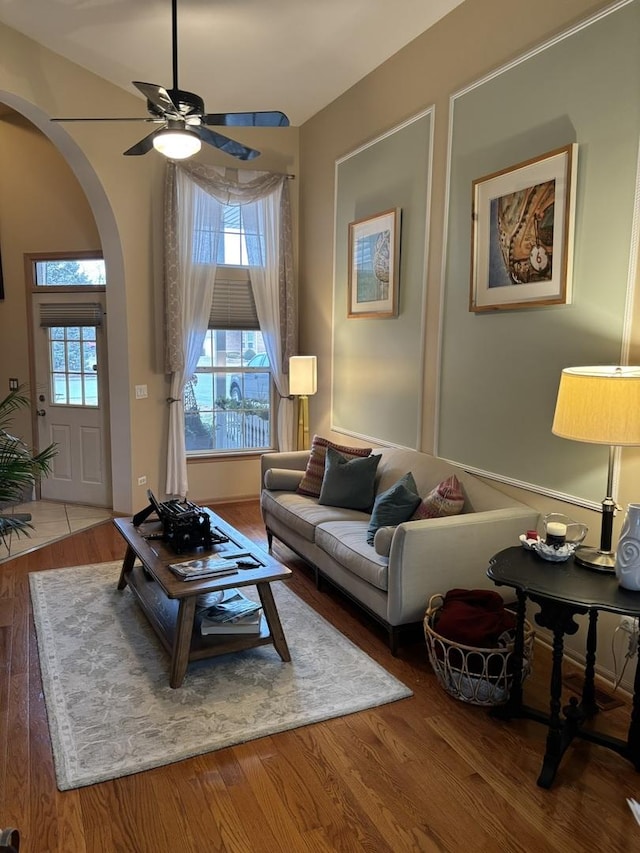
72, 357
70, 272
238, 244
227, 402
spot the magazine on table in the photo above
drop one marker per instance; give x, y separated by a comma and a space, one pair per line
226, 605
241, 625
228, 611
208, 566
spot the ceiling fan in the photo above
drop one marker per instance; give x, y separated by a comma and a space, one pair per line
185, 125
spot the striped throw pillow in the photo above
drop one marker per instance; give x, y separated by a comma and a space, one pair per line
311, 482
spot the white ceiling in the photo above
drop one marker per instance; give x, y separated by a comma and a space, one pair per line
239, 55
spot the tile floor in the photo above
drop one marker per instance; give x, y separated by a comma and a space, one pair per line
50, 521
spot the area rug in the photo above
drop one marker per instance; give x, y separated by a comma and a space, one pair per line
111, 711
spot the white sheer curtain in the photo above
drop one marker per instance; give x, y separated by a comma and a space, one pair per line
263, 217
194, 191
195, 219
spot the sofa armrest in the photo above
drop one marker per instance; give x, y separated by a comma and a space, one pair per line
293, 460
282, 479
439, 554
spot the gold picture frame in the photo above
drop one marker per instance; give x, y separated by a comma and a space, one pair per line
374, 265
522, 233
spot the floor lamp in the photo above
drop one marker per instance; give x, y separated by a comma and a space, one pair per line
303, 381
600, 405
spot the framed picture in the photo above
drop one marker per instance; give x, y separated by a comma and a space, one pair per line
522, 233
374, 265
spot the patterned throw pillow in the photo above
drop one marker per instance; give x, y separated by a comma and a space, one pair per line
311, 482
446, 499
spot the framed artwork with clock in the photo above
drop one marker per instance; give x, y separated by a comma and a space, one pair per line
522, 233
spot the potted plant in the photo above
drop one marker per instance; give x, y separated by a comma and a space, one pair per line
20, 468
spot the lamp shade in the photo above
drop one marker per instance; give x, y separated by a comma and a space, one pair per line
178, 144
303, 377
600, 405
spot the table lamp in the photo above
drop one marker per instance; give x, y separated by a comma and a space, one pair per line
600, 405
303, 381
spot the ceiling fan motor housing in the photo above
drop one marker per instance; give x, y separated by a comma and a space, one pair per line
188, 103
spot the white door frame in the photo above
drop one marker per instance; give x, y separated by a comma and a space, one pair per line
35, 295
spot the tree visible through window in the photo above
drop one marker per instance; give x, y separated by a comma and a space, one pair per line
70, 272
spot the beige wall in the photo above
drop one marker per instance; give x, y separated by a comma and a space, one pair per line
115, 203
42, 209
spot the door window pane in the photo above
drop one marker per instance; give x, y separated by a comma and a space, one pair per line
73, 364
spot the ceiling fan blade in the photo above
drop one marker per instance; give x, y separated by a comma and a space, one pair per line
143, 146
229, 146
158, 97
108, 118
264, 118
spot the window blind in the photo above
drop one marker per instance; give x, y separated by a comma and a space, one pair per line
233, 306
70, 314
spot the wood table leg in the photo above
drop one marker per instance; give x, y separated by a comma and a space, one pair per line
273, 621
589, 705
127, 565
182, 641
633, 738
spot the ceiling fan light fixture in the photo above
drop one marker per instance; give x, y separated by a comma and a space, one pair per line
177, 144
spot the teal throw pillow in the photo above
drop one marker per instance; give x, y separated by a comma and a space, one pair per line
349, 483
394, 506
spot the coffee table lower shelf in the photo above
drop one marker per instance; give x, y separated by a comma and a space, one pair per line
162, 612
178, 627
170, 604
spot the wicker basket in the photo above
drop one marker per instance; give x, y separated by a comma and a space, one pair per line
474, 675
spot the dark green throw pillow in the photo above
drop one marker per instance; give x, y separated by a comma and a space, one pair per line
394, 506
349, 483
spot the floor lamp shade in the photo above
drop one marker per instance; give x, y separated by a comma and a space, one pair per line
600, 405
303, 375
303, 381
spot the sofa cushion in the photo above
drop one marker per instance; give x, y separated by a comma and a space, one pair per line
346, 542
349, 483
447, 498
302, 514
312, 479
395, 505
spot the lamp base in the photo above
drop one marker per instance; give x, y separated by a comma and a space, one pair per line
594, 558
303, 422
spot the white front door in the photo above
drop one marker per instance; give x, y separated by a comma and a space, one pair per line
72, 404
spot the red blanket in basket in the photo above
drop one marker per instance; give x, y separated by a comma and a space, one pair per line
474, 617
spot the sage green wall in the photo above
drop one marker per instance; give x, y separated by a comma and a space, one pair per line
476, 39
497, 392
377, 363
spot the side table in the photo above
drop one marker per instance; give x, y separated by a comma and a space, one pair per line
562, 591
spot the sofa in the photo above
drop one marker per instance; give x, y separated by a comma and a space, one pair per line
394, 574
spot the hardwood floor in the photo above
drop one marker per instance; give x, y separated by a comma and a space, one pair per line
427, 773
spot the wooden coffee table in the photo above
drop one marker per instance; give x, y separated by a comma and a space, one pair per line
170, 603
